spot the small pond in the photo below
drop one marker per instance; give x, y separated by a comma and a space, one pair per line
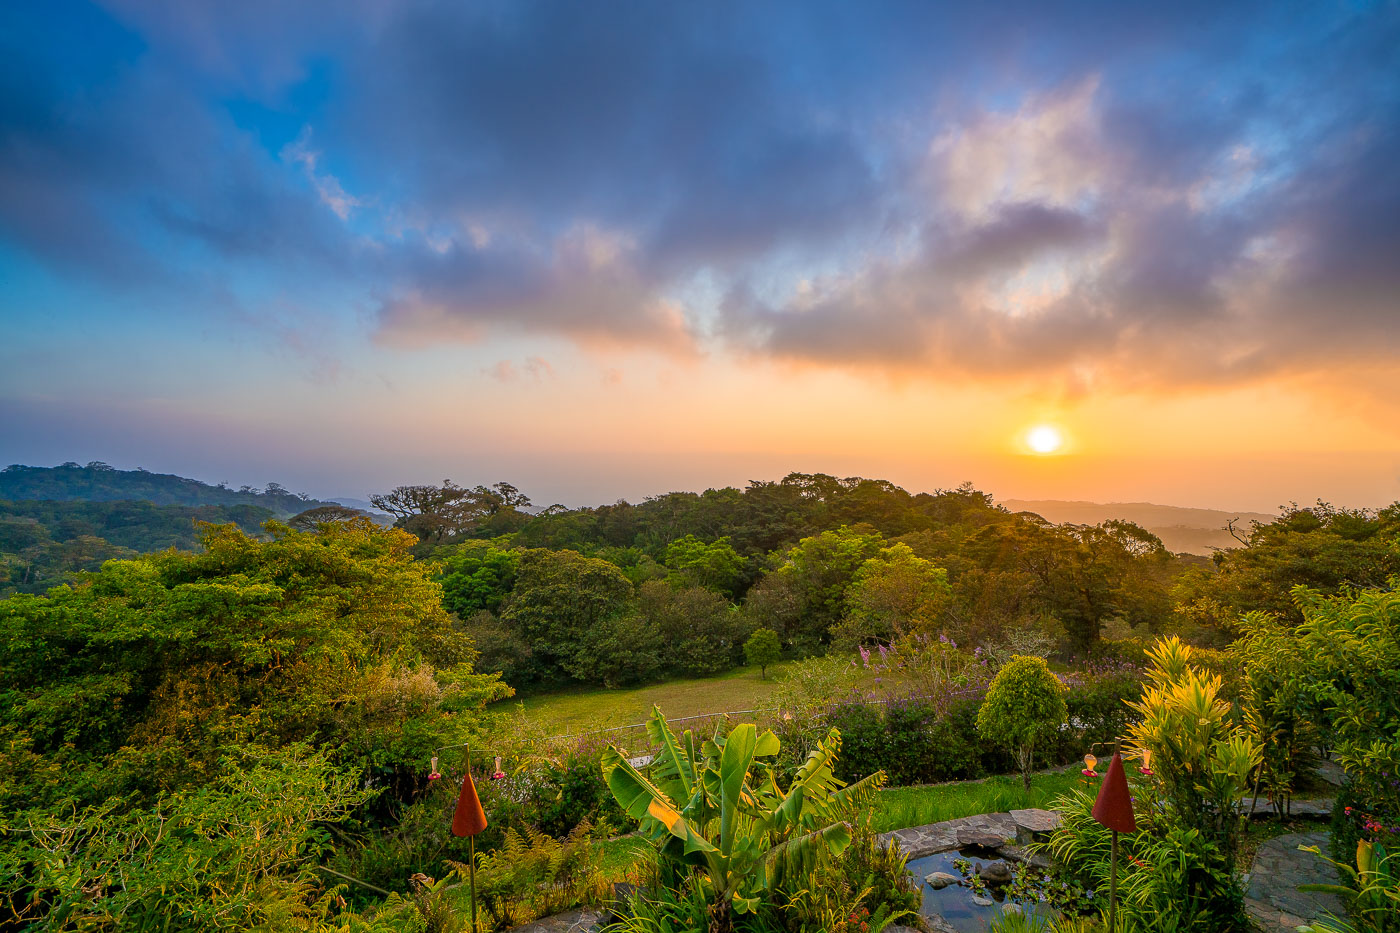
1033, 890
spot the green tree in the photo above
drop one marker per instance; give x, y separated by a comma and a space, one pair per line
476, 576
569, 609
447, 513
699, 631
136, 679
715, 565
806, 595
893, 595
1324, 548
763, 648
1025, 704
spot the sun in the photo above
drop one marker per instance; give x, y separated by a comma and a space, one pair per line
1044, 439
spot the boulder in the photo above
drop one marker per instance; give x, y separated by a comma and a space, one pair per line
1033, 822
941, 879
981, 901
997, 872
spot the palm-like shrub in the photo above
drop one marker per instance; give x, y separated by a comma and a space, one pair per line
1202, 759
1178, 871
716, 804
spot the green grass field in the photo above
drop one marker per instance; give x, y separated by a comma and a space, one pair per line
901, 807
591, 708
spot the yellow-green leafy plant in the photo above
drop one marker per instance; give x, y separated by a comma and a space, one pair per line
1179, 868
717, 805
1201, 758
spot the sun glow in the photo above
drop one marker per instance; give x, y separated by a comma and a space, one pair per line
1044, 439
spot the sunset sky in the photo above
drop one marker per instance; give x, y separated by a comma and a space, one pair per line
608, 249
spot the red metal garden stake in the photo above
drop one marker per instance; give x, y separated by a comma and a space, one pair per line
468, 820
1113, 808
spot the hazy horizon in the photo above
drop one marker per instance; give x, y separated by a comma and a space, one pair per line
318, 488
1058, 254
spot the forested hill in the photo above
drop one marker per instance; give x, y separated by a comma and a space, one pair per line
98, 482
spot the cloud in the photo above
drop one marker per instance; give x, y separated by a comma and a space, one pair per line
1064, 247
585, 284
327, 186
1184, 194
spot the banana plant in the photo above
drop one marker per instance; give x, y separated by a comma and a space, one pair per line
716, 804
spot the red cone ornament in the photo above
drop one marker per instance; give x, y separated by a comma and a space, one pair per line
1113, 807
469, 819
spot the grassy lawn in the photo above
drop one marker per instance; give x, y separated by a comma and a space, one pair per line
591, 708
900, 807
622, 856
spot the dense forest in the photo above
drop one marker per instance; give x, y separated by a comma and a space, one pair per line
622, 593
238, 729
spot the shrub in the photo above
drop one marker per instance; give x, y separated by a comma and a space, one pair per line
1201, 758
1178, 869
1025, 705
534, 875
1352, 644
237, 854
865, 888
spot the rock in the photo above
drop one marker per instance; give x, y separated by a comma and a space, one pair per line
1031, 822
979, 837
997, 872
1332, 773
941, 879
981, 901
1010, 908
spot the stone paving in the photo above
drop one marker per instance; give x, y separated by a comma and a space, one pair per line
987, 829
1273, 899
1316, 808
575, 921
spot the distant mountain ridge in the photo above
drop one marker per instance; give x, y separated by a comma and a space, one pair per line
98, 482
1181, 528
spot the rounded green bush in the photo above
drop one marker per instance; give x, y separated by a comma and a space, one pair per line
1025, 704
